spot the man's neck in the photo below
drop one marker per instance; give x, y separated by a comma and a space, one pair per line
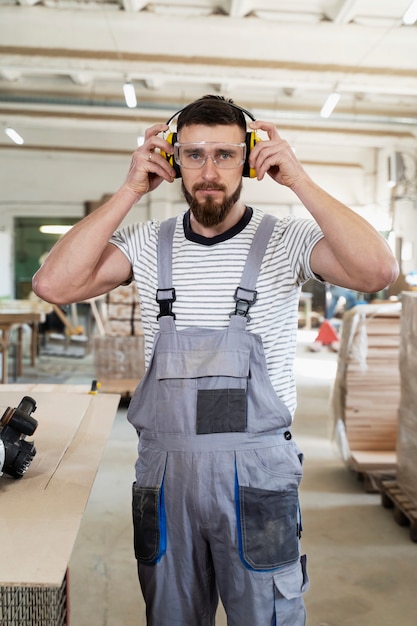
233, 218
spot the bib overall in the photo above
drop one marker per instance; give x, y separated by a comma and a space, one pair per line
215, 502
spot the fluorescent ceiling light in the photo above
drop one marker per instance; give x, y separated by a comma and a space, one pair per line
130, 95
13, 135
410, 16
54, 229
329, 105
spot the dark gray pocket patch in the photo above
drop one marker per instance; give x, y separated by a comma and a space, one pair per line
221, 411
149, 528
268, 527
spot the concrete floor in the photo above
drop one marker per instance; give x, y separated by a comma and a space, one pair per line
362, 565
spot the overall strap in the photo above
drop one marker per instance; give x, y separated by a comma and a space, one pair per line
165, 294
246, 294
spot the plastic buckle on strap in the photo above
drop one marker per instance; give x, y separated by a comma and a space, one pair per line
165, 298
244, 299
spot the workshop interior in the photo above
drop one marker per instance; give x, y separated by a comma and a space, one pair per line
80, 82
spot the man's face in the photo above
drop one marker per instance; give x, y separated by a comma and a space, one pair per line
210, 191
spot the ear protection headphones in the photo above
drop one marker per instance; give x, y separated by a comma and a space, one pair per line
251, 140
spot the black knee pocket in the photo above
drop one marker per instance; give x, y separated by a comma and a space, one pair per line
267, 506
149, 525
268, 527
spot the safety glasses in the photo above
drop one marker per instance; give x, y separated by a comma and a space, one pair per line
224, 155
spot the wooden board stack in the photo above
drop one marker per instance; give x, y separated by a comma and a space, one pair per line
119, 355
366, 392
407, 419
121, 311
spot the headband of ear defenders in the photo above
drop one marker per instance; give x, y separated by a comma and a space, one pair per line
251, 140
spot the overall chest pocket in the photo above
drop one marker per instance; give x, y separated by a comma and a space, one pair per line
208, 387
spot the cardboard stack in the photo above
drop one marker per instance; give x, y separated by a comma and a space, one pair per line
407, 418
366, 392
119, 354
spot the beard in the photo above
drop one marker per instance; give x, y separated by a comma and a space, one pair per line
209, 212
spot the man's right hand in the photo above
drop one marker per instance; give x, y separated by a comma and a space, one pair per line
148, 167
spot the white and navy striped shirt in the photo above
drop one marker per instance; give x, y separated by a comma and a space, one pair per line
206, 273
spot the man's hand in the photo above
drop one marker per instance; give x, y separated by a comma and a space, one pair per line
275, 157
148, 168
351, 253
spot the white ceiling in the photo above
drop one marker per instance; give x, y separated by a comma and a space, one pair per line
63, 64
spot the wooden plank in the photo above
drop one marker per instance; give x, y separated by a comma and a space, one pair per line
41, 513
57, 426
367, 460
122, 386
28, 388
372, 468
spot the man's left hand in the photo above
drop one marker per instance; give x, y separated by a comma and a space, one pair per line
275, 157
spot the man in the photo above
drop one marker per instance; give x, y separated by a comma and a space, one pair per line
350, 298
215, 503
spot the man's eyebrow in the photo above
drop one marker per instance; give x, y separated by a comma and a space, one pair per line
193, 149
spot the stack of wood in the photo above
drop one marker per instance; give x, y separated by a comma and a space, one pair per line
121, 312
366, 392
400, 492
407, 419
119, 354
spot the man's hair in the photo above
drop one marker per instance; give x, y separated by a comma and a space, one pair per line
212, 110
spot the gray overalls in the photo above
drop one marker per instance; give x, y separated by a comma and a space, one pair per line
215, 502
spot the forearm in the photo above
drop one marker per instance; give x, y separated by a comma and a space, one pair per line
353, 253
83, 264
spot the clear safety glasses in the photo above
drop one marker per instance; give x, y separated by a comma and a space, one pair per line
223, 155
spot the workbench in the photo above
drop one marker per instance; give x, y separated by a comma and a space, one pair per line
9, 320
41, 512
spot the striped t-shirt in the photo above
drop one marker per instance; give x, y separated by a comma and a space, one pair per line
206, 273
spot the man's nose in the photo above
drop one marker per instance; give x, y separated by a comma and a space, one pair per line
209, 168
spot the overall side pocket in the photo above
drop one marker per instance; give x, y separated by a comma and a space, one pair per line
148, 509
268, 529
267, 508
149, 523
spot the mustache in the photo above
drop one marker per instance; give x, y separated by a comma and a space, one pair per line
204, 186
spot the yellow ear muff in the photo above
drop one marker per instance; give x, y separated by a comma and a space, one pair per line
251, 140
171, 138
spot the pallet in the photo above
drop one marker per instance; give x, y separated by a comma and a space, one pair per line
371, 468
405, 511
372, 480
